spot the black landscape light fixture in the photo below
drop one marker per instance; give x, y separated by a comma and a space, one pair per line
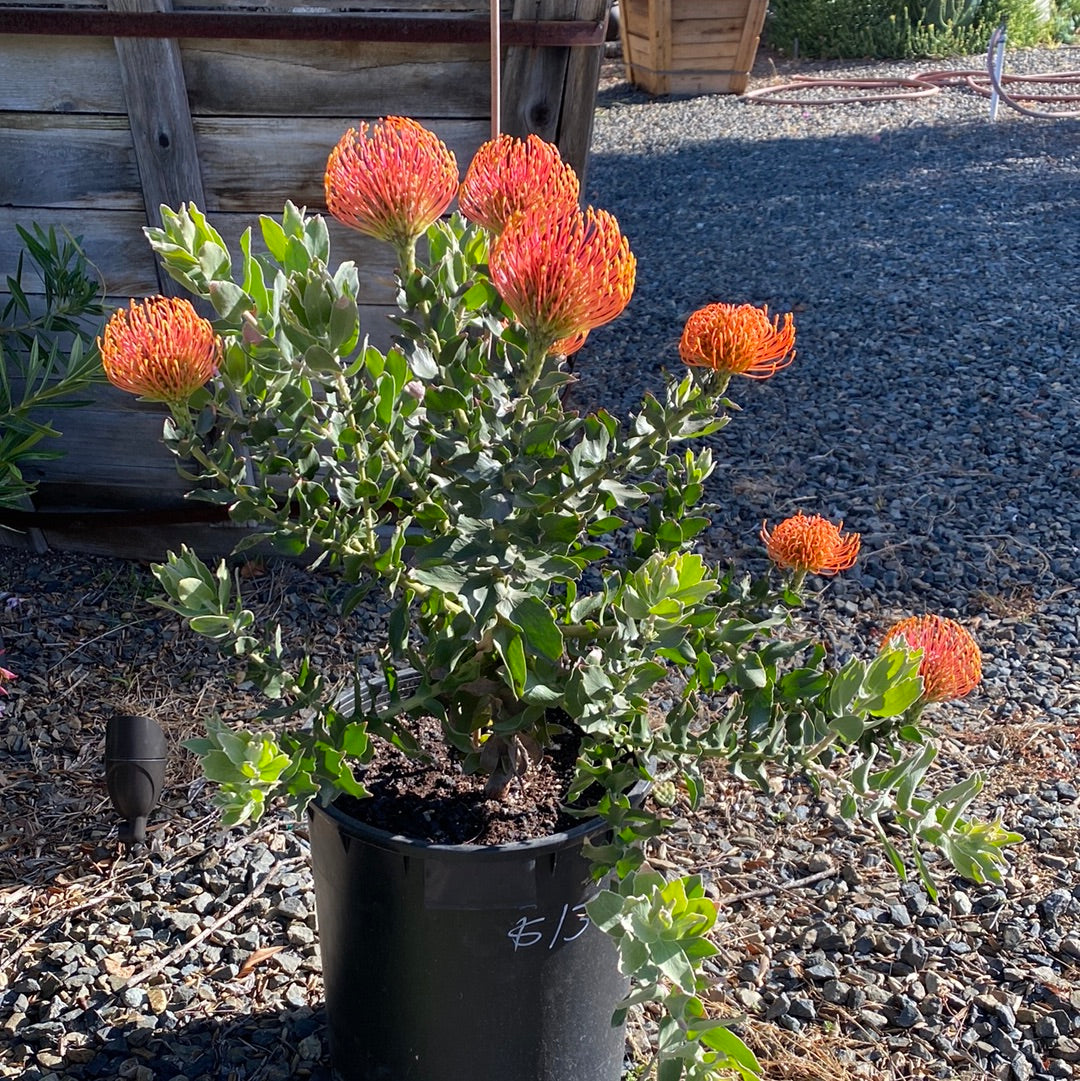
135, 754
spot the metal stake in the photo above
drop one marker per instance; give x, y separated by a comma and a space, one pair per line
496, 69
998, 67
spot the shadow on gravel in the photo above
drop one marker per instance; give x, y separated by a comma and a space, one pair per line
934, 272
256, 1047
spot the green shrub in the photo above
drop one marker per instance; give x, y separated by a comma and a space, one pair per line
907, 29
47, 350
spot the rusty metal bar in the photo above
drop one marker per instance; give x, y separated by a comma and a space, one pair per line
435, 30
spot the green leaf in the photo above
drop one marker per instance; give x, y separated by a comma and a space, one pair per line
848, 727
541, 632
509, 646
718, 1036
605, 910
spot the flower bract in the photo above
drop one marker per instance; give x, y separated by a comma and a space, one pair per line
509, 174
810, 543
951, 664
390, 181
160, 349
562, 272
738, 339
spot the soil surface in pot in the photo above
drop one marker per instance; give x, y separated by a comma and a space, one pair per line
433, 799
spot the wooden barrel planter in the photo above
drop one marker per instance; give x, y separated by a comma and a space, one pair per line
109, 108
691, 46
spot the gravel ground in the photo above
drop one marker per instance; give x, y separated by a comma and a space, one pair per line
933, 263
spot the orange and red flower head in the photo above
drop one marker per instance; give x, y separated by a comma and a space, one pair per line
810, 543
951, 664
562, 272
509, 174
390, 181
160, 349
738, 339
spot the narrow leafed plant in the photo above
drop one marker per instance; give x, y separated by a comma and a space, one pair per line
542, 567
48, 360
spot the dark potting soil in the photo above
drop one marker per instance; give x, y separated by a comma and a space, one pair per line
433, 799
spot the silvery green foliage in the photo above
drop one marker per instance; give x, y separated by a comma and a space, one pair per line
542, 570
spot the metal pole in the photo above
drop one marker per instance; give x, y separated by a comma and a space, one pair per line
496, 70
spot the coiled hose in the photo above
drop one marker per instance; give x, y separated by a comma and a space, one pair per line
929, 83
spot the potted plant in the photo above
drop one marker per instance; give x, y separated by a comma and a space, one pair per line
551, 631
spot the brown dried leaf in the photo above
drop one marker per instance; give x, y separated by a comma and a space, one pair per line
255, 958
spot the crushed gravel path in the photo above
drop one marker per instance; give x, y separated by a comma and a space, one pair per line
933, 263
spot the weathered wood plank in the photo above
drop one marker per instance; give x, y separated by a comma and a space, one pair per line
249, 164
161, 131
551, 91
257, 78
87, 81
579, 87
705, 32
327, 79
477, 7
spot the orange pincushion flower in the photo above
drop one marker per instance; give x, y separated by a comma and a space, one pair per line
390, 181
951, 664
738, 339
508, 174
811, 543
566, 346
562, 272
161, 349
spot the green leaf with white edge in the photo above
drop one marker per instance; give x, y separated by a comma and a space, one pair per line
212, 626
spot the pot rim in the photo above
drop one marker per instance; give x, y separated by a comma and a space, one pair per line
399, 842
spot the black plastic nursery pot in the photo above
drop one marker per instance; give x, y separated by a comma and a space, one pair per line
462, 962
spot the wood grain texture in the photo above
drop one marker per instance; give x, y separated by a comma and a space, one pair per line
161, 132
691, 46
249, 164
474, 7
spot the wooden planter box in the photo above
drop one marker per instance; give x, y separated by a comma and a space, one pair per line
105, 115
690, 46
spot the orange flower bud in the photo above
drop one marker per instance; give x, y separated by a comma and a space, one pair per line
738, 340
390, 181
811, 544
508, 174
951, 664
161, 349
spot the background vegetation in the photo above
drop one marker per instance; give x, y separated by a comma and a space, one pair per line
908, 29
48, 354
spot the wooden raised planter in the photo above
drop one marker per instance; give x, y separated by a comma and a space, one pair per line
109, 109
691, 46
